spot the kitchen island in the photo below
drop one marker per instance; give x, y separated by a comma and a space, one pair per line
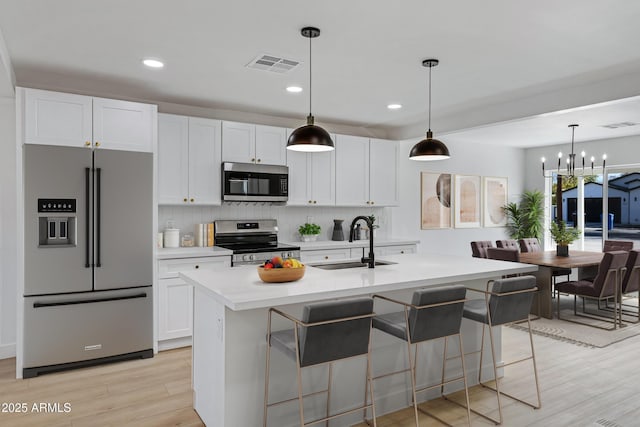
230, 316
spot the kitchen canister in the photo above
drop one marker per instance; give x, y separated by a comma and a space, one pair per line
338, 232
171, 237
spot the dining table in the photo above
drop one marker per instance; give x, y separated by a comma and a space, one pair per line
547, 261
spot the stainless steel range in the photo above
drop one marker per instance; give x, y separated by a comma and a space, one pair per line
252, 241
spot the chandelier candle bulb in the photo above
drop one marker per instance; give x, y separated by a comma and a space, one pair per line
604, 161
583, 154
559, 158
542, 166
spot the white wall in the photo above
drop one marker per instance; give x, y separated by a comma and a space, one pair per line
8, 255
483, 160
289, 217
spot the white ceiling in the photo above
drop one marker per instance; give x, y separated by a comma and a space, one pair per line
369, 55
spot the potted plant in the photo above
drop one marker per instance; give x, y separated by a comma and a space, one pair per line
563, 236
525, 219
375, 226
309, 232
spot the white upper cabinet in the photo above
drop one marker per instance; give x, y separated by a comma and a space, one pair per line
239, 142
366, 172
189, 153
352, 170
204, 161
173, 159
311, 178
54, 118
123, 125
383, 172
271, 145
247, 143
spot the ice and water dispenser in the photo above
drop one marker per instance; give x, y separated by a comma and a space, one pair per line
57, 222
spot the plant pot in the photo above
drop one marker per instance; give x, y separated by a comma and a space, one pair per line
562, 250
309, 237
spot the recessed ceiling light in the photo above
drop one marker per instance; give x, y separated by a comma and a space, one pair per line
153, 63
394, 106
294, 89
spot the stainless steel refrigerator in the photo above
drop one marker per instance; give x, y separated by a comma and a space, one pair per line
88, 257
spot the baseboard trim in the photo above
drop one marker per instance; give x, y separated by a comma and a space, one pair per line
174, 343
7, 351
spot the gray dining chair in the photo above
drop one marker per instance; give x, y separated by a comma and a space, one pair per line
509, 301
327, 332
433, 313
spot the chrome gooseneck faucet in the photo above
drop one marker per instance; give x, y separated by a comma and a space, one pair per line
370, 259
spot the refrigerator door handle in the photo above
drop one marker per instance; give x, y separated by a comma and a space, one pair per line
87, 178
87, 301
98, 170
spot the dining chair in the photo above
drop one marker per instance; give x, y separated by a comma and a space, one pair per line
328, 332
504, 254
617, 245
605, 286
433, 313
532, 245
508, 244
631, 283
509, 301
479, 248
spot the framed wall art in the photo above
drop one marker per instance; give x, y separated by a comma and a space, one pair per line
494, 196
467, 206
435, 200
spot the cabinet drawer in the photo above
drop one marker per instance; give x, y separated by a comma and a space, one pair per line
396, 250
325, 255
169, 268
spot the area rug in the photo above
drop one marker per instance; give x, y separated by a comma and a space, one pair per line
582, 335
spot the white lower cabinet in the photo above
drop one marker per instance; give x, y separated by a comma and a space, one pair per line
325, 255
175, 298
395, 250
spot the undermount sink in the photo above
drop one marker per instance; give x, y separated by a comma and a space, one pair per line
347, 264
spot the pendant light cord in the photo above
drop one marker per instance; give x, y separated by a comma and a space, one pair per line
430, 67
310, 91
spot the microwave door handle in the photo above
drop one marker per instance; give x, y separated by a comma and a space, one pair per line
87, 179
98, 171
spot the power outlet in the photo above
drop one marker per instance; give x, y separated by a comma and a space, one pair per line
310, 220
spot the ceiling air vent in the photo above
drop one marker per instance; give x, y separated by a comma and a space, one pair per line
273, 63
619, 125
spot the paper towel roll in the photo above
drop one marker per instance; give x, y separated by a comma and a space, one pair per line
172, 238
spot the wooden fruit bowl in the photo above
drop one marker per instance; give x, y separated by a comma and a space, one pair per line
280, 275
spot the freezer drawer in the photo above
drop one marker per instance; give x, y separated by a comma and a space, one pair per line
77, 327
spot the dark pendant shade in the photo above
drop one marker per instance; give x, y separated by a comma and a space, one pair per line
429, 149
310, 138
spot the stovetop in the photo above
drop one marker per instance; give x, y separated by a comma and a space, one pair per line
249, 248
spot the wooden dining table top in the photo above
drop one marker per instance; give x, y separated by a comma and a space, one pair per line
576, 259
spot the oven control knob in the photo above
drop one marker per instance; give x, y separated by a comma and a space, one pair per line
252, 257
245, 257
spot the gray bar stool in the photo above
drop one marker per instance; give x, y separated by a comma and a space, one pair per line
328, 331
509, 301
433, 313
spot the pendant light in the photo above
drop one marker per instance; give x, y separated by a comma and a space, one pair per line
310, 138
429, 148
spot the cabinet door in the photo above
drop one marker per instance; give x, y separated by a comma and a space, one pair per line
383, 173
123, 125
238, 142
173, 159
325, 255
323, 178
271, 145
53, 118
352, 171
175, 309
204, 161
299, 183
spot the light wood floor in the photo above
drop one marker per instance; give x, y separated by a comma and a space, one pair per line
580, 387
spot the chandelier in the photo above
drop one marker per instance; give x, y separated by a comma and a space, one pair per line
570, 169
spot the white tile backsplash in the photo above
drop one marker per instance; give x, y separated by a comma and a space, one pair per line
289, 217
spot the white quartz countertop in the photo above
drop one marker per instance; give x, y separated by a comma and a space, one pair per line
331, 244
240, 288
193, 252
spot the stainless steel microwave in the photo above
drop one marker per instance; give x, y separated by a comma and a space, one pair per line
248, 182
